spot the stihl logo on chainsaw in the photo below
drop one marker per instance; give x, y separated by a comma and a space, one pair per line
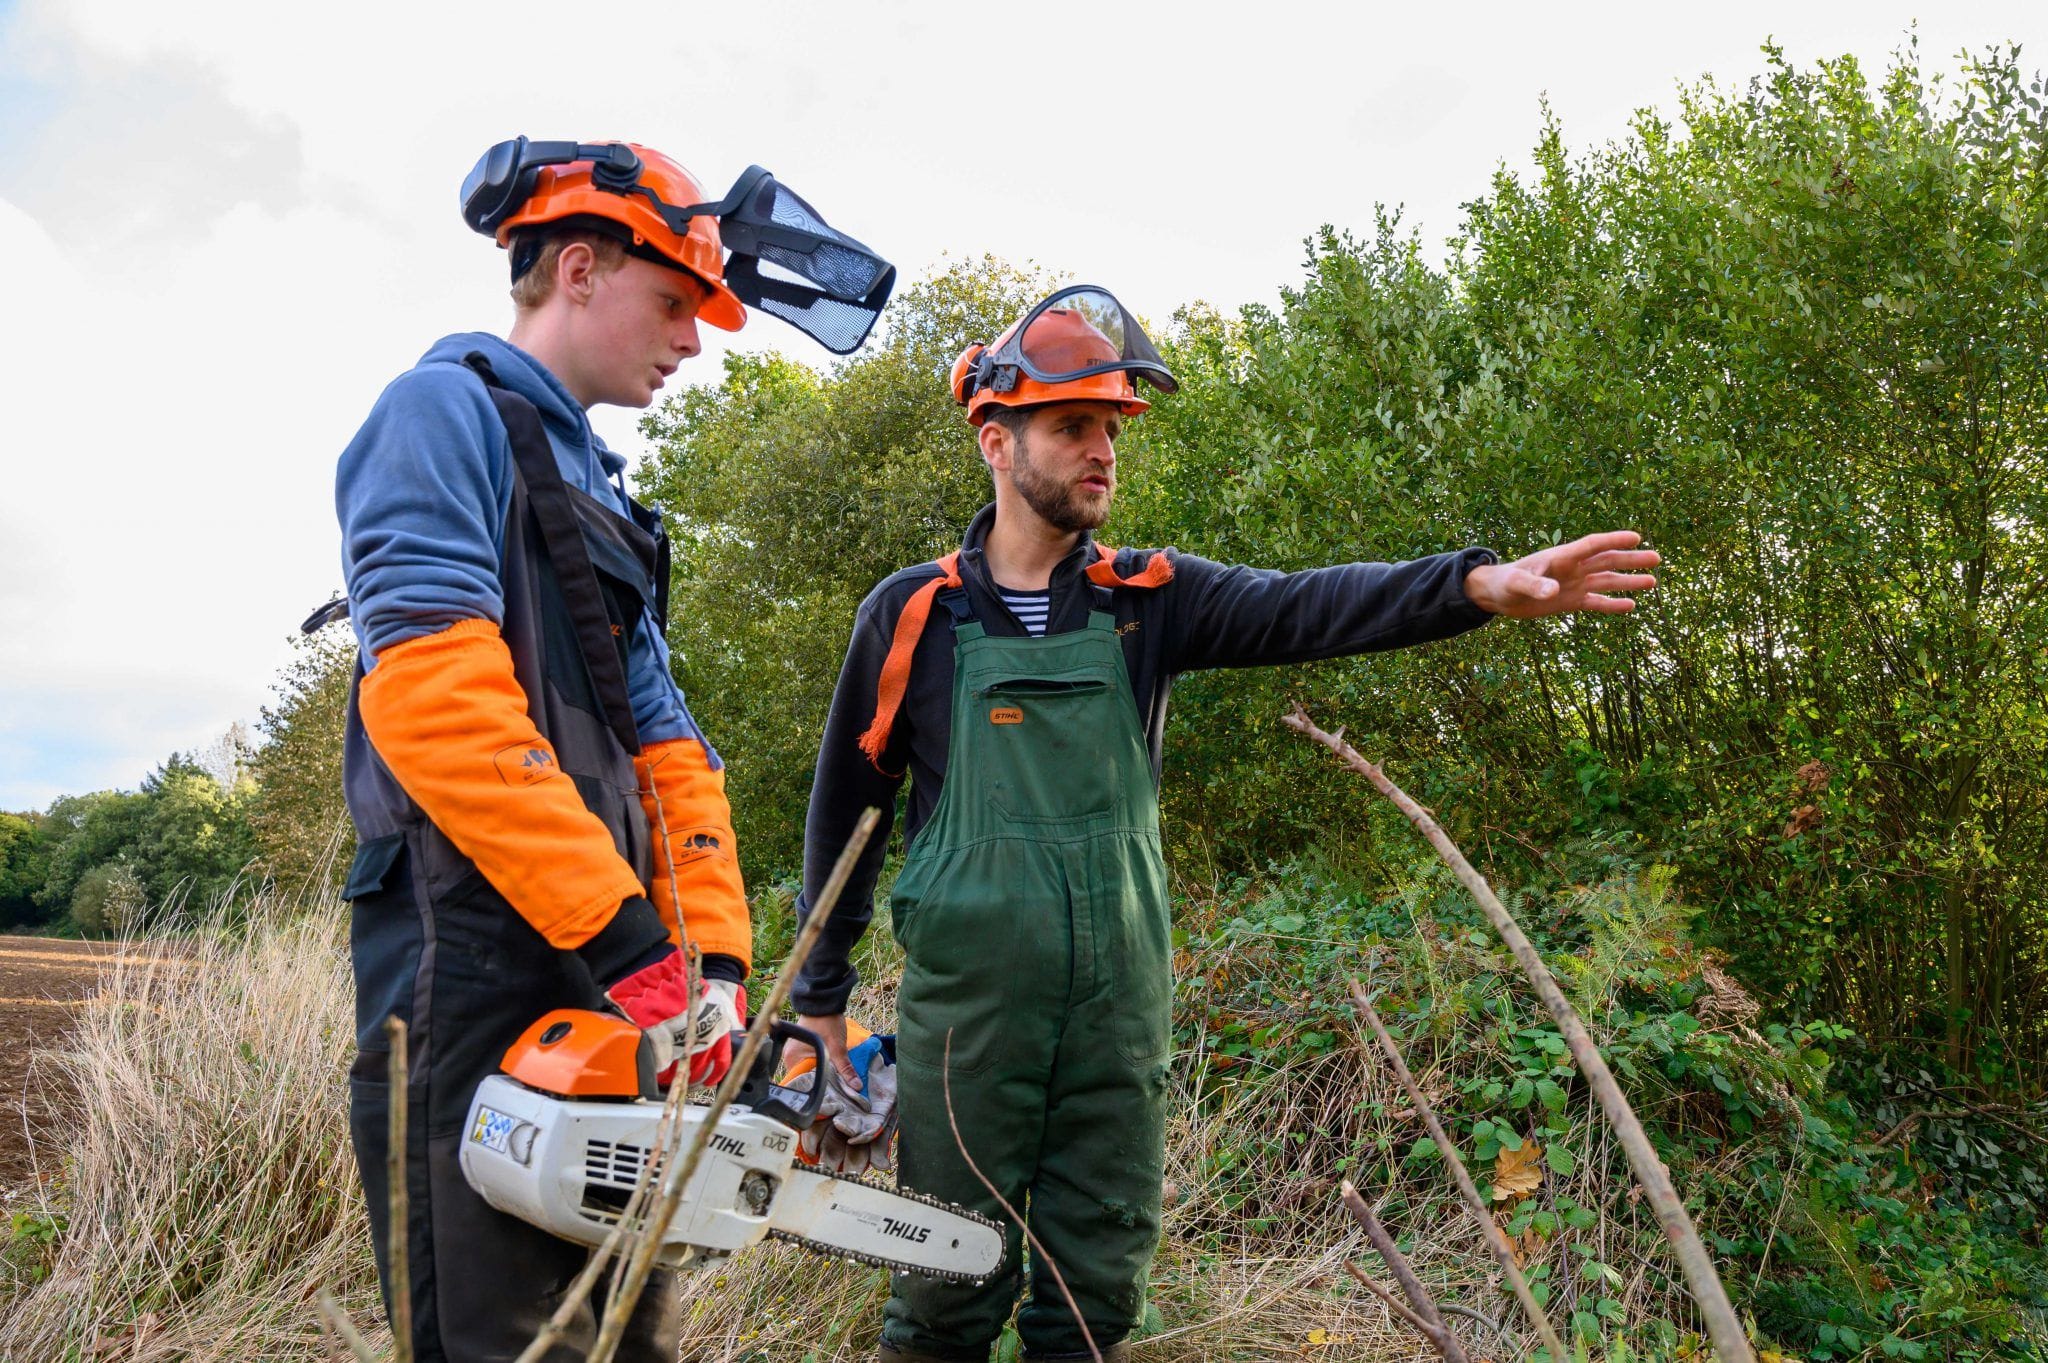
905, 1230
728, 1145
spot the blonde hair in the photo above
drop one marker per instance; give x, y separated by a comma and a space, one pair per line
531, 289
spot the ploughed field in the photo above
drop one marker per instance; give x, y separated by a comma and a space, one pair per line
43, 984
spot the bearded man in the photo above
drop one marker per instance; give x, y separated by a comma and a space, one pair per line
1032, 904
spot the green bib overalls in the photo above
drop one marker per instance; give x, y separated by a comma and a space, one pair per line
1033, 916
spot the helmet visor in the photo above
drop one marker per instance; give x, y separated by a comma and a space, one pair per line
787, 260
1079, 332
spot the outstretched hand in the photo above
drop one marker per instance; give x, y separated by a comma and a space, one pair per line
1567, 577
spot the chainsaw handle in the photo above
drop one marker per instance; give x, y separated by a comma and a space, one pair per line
792, 1107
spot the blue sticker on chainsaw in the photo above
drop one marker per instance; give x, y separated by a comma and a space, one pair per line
492, 1130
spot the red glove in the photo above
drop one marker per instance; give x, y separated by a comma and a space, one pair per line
655, 999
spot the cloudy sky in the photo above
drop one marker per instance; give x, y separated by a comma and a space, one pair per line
225, 226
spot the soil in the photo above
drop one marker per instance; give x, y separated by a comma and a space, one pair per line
44, 981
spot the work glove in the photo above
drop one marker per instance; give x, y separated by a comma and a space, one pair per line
654, 998
855, 1131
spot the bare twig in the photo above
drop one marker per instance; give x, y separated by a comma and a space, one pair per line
1452, 1308
335, 1319
946, 1079
1411, 1286
676, 1180
1963, 1109
693, 961
1439, 1338
1723, 1325
1425, 1318
400, 1203
1496, 1239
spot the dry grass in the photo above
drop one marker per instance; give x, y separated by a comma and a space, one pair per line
210, 1190
207, 1183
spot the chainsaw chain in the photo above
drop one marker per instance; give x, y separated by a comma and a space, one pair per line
857, 1256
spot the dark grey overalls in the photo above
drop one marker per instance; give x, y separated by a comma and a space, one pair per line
434, 943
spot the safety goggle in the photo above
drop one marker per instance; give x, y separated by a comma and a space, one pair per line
1076, 333
782, 256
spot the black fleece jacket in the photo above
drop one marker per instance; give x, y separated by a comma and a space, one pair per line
1210, 615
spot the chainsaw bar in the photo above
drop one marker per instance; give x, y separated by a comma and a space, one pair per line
880, 1261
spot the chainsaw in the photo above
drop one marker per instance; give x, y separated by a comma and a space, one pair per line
562, 1136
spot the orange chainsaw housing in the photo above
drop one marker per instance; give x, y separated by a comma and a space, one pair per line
576, 1053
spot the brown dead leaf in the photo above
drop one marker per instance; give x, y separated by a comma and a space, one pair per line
1517, 1173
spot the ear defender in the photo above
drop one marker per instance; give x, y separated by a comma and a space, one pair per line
969, 372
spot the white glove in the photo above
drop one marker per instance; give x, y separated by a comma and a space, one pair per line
854, 1132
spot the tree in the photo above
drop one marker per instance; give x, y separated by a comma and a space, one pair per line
193, 841
298, 819
790, 493
85, 831
227, 759
109, 900
22, 856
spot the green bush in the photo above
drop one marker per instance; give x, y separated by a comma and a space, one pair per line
1837, 1242
109, 901
1792, 332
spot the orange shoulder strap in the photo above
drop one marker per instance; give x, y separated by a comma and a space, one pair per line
1157, 572
896, 668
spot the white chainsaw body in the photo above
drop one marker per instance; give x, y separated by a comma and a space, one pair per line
569, 1165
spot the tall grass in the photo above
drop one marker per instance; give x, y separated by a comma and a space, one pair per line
208, 1187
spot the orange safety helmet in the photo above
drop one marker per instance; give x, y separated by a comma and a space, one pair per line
1079, 345
567, 191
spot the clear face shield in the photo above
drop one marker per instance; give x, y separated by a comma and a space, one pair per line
1075, 334
783, 257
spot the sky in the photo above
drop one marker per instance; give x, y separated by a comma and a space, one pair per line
226, 226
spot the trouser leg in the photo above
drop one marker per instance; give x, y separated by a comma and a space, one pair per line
999, 1120
1095, 1201
468, 975
1095, 1204
484, 1283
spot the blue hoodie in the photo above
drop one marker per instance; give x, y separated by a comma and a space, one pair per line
423, 492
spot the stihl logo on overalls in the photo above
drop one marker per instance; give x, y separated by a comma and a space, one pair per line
1006, 714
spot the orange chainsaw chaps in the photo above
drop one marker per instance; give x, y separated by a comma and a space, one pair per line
446, 714
576, 1053
696, 882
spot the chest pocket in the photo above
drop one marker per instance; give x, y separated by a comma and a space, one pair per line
1039, 741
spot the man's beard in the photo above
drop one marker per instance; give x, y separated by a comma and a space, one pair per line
1063, 506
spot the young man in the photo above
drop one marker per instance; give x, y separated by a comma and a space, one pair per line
542, 823
1022, 683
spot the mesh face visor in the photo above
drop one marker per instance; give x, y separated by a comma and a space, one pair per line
787, 261
784, 259
1078, 332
